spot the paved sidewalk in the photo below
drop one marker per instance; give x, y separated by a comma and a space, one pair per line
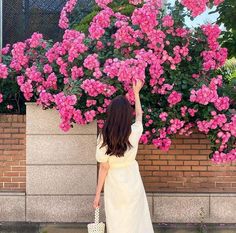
17, 227
170, 228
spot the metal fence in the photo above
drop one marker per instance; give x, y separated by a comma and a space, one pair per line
23, 17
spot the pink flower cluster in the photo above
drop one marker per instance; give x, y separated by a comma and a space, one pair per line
65, 106
72, 44
214, 59
145, 17
36, 40
101, 21
185, 109
222, 103
217, 2
221, 157
1, 97
174, 98
212, 32
91, 62
125, 35
186, 129
90, 103
19, 59
167, 21
3, 71
198, 7
45, 98
51, 82
230, 126
76, 72
216, 56
135, 2
175, 125
27, 89
103, 3
68, 8
206, 95
163, 116
95, 88
155, 70
126, 71
5, 50
228, 129
216, 121
162, 142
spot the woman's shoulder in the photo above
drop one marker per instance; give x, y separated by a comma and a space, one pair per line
137, 125
136, 131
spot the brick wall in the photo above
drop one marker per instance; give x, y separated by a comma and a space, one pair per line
12, 152
184, 168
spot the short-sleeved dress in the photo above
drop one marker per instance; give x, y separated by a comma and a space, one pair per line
125, 201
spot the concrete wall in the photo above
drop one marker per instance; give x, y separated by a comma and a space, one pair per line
61, 170
164, 208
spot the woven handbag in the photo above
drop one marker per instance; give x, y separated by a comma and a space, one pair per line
96, 227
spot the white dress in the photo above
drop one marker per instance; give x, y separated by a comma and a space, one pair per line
125, 201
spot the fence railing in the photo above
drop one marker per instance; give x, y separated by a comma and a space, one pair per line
23, 17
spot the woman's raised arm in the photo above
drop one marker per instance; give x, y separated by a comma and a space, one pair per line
138, 108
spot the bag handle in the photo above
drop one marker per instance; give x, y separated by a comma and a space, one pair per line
97, 215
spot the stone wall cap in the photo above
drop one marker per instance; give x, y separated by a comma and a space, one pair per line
194, 194
2, 193
28, 103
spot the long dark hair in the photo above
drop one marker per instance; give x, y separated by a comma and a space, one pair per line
117, 126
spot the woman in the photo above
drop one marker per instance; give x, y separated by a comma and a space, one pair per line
125, 200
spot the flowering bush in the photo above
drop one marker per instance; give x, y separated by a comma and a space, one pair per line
80, 75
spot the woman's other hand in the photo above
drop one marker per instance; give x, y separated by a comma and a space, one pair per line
96, 202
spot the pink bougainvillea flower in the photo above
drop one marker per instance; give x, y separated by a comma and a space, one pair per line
6, 49
167, 21
217, 2
162, 143
3, 71
103, 3
94, 88
1, 97
89, 115
89, 103
35, 40
222, 103
100, 22
145, 17
135, 2
47, 69
68, 8
45, 98
91, 62
19, 59
174, 98
9, 106
197, 7
163, 116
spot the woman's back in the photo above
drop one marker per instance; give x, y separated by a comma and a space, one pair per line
129, 155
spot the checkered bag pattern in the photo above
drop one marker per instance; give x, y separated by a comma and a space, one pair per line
96, 227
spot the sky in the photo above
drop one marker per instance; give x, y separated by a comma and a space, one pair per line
201, 19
